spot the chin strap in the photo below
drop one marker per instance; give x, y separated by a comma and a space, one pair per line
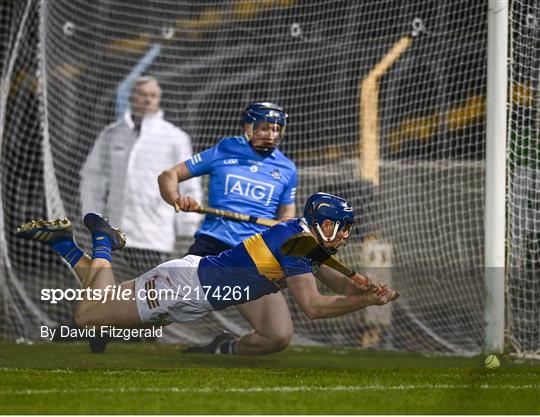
263, 151
323, 237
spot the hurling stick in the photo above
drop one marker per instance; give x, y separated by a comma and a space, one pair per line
237, 216
304, 244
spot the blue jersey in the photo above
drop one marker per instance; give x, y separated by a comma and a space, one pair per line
253, 268
242, 180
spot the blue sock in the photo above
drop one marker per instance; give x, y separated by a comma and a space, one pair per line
101, 246
67, 249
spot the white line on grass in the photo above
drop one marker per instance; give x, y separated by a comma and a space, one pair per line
446, 376
522, 375
344, 388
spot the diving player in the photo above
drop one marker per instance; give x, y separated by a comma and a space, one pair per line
189, 288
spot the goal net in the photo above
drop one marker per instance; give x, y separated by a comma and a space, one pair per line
387, 108
523, 181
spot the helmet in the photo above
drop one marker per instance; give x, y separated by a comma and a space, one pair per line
257, 113
323, 206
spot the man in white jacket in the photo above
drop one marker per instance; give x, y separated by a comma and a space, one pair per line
119, 180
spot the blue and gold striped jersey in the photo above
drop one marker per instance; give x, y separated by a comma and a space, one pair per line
253, 268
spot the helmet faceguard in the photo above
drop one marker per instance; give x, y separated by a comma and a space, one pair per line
322, 206
257, 113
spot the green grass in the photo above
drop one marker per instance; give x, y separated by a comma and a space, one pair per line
147, 378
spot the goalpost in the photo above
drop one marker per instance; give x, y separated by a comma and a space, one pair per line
495, 213
430, 192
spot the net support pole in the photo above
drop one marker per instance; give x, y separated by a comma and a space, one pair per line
124, 88
495, 182
369, 153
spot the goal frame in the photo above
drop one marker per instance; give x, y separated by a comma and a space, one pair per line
495, 176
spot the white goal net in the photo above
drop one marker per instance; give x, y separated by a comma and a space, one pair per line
387, 108
523, 183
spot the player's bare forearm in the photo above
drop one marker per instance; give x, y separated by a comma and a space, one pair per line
168, 185
336, 305
304, 290
168, 182
332, 279
342, 284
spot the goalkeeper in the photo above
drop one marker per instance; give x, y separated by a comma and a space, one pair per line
251, 270
247, 174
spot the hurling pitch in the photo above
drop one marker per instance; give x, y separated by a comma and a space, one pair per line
147, 378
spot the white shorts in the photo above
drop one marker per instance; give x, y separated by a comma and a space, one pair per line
171, 292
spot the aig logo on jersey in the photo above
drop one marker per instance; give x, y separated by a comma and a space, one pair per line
248, 188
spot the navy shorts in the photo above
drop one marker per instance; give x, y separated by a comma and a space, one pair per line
205, 245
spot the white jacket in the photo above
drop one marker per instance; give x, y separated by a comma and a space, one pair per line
119, 180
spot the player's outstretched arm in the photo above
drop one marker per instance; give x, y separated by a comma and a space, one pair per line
341, 284
304, 290
168, 182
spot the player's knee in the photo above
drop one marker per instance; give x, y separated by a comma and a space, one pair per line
280, 341
79, 317
82, 318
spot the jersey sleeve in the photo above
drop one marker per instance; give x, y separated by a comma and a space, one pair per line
201, 163
289, 193
290, 265
295, 265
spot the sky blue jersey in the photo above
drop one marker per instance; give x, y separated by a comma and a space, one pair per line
253, 268
242, 180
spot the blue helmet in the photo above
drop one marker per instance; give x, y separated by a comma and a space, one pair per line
257, 113
323, 206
